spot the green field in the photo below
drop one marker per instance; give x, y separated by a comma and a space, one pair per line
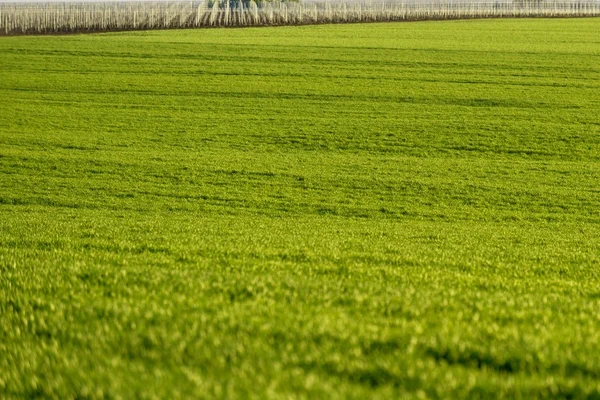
345, 211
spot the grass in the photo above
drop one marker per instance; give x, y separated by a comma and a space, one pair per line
352, 211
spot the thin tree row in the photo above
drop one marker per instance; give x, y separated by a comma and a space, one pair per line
20, 18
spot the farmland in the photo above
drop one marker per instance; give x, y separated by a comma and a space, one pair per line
401, 210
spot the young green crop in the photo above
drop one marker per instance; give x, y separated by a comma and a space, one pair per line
351, 211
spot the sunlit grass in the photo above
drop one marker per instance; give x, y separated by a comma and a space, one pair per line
323, 212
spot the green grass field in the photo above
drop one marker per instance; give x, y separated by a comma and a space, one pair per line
355, 211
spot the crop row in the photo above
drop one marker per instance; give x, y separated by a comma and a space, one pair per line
19, 18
